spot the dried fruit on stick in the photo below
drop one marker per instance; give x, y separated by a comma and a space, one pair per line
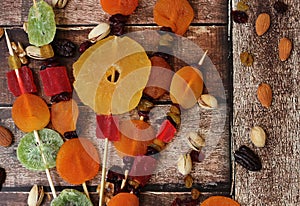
124, 7
108, 127
220, 201
25, 81
124, 199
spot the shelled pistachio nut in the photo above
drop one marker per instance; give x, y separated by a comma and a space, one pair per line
1, 32
207, 101
258, 136
195, 141
35, 196
40, 53
59, 3
99, 32
20, 52
184, 164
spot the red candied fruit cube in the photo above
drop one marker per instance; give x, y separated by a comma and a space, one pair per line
107, 127
24, 84
55, 80
166, 132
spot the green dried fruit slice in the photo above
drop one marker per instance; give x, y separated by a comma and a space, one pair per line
29, 153
41, 24
71, 197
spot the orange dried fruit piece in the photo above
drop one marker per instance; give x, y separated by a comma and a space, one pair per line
176, 14
77, 161
186, 87
124, 199
30, 112
64, 116
220, 201
123, 7
135, 136
110, 76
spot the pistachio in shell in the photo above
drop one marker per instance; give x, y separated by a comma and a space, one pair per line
99, 32
35, 196
207, 101
195, 141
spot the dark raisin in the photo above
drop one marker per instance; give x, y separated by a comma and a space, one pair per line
2, 176
118, 18
172, 121
151, 151
239, 16
117, 30
63, 47
145, 115
64, 96
84, 46
247, 158
115, 174
70, 135
176, 202
280, 7
50, 63
197, 156
128, 161
166, 29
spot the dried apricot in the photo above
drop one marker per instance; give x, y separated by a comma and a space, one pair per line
30, 112
124, 7
77, 161
136, 135
124, 199
64, 116
176, 14
220, 201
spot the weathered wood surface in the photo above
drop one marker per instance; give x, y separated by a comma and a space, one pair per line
278, 182
86, 12
212, 175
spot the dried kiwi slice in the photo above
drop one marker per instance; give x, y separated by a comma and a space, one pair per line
71, 197
41, 24
29, 153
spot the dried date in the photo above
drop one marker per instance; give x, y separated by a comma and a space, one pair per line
247, 158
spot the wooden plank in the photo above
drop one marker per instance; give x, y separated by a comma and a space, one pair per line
214, 169
213, 39
278, 182
90, 12
146, 199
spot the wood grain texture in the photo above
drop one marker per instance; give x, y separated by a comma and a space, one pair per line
278, 182
146, 198
86, 12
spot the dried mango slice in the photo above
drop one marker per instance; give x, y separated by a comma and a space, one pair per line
176, 14
110, 76
29, 154
41, 24
71, 197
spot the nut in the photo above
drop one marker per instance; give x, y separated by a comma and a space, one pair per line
285, 47
35, 196
188, 181
247, 158
99, 32
19, 50
258, 136
262, 24
264, 94
39, 53
59, 3
184, 164
6, 137
242, 5
195, 141
1, 32
207, 101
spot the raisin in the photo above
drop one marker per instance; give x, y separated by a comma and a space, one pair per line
128, 161
115, 174
118, 18
118, 29
84, 46
64, 47
197, 156
280, 7
165, 29
50, 63
239, 17
145, 115
70, 135
64, 96
247, 158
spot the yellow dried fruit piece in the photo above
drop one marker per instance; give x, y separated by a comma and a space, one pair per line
110, 76
246, 59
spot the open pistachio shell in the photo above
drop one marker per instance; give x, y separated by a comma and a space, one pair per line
195, 141
99, 32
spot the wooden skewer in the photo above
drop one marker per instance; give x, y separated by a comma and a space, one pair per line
37, 139
35, 132
85, 190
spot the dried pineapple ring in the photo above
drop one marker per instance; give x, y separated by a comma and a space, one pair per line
122, 59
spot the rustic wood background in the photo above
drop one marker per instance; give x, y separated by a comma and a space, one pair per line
211, 30
278, 182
